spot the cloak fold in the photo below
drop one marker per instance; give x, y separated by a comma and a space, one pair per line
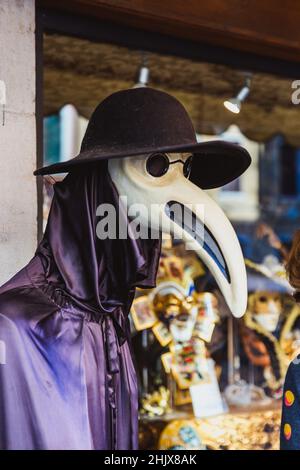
68, 381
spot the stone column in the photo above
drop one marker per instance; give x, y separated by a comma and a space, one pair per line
18, 193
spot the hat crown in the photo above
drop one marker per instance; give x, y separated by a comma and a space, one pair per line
141, 118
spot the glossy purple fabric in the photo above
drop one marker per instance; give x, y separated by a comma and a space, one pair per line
69, 380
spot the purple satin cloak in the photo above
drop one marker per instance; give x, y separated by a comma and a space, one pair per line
68, 381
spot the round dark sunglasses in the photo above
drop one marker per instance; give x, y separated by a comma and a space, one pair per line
158, 164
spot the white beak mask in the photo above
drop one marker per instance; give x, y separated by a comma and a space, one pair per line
207, 230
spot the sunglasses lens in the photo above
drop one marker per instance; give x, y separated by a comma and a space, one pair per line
187, 167
157, 164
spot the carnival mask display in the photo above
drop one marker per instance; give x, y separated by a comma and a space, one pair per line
266, 308
207, 316
181, 319
177, 310
181, 328
262, 340
156, 403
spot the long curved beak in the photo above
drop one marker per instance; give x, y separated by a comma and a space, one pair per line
206, 229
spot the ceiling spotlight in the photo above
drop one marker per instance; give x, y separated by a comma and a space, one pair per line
234, 104
143, 77
143, 74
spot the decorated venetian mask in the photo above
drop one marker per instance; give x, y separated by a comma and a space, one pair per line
266, 308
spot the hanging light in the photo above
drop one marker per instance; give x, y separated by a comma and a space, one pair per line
234, 104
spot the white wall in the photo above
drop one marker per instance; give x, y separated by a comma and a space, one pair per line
18, 195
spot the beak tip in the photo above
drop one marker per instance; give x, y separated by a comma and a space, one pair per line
238, 310
238, 313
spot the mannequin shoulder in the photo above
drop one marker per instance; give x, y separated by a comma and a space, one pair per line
24, 303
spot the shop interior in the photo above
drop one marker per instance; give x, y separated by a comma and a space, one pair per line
206, 380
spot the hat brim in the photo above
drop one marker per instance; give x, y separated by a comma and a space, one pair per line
215, 163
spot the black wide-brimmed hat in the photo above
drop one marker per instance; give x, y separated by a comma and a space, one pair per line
141, 121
